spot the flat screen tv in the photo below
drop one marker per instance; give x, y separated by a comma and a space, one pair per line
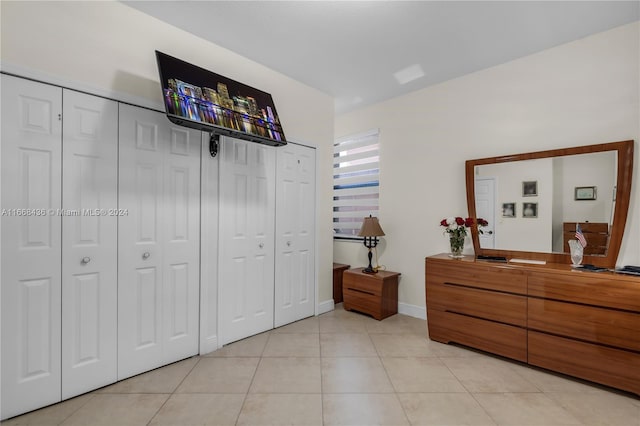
204, 100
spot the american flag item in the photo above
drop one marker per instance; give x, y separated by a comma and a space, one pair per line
580, 236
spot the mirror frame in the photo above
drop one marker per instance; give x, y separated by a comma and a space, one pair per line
623, 194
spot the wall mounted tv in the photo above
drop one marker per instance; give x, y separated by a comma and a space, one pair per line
203, 100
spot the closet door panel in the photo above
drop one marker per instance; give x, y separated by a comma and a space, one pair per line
247, 204
295, 234
159, 241
182, 243
306, 230
89, 243
140, 248
31, 238
287, 268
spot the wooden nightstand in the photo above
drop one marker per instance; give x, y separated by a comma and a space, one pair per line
338, 269
373, 294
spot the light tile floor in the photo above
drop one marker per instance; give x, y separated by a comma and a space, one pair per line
343, 368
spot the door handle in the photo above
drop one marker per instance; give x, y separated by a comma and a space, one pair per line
85, 260
261, 245
146, 255
288, 243
490, 232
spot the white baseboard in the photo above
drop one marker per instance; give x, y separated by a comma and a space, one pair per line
412, 310
326, 306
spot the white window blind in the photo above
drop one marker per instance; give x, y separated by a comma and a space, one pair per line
356, 182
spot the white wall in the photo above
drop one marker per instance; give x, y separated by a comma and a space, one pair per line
580, 93
599, 170
107, 48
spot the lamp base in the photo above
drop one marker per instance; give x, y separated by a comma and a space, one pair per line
369, 270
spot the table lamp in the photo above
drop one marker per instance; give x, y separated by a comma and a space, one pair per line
370, 230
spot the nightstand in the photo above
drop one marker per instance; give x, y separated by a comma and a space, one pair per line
338, 269
373, 294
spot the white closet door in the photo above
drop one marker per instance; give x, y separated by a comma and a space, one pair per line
181, 242
158, 241
31, 247
295, 234
247, 206
89, 243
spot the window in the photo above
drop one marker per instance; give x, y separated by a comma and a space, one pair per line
356, 182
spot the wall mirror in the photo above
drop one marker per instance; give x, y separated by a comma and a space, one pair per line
534, 201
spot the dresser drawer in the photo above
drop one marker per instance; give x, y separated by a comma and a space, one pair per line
612, 367
491, 305
501, 339
490, 277
596, 325
597, 289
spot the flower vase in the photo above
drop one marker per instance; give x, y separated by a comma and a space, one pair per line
457, 244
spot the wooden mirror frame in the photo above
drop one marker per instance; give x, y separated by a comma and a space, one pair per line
624, 150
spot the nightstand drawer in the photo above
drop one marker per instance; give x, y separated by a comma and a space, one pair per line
362, 302
362, 283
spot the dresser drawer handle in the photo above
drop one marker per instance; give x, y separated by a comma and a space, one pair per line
361, 291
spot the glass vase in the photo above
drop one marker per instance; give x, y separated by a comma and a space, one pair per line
457, 244
576, 251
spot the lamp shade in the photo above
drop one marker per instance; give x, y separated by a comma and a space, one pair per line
370, 228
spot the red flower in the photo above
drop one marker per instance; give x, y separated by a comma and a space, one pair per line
443, 222
459, 221
468, 222
482, 222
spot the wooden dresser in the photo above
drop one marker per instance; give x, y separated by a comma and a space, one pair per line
580, 323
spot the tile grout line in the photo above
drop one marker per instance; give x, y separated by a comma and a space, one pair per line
244, 400
386, 372
176, 388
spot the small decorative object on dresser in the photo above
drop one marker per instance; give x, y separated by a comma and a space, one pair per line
373, 294
576, 252
456, 227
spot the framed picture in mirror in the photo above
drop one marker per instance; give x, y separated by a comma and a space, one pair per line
585, 193
529, 210
530, 188
508, 209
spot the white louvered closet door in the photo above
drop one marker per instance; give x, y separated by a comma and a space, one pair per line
158, 241
89, 243
31, 247
246, 251
295, 234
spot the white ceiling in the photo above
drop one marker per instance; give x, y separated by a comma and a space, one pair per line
351, 50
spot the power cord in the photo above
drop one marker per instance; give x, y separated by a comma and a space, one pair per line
378, 267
